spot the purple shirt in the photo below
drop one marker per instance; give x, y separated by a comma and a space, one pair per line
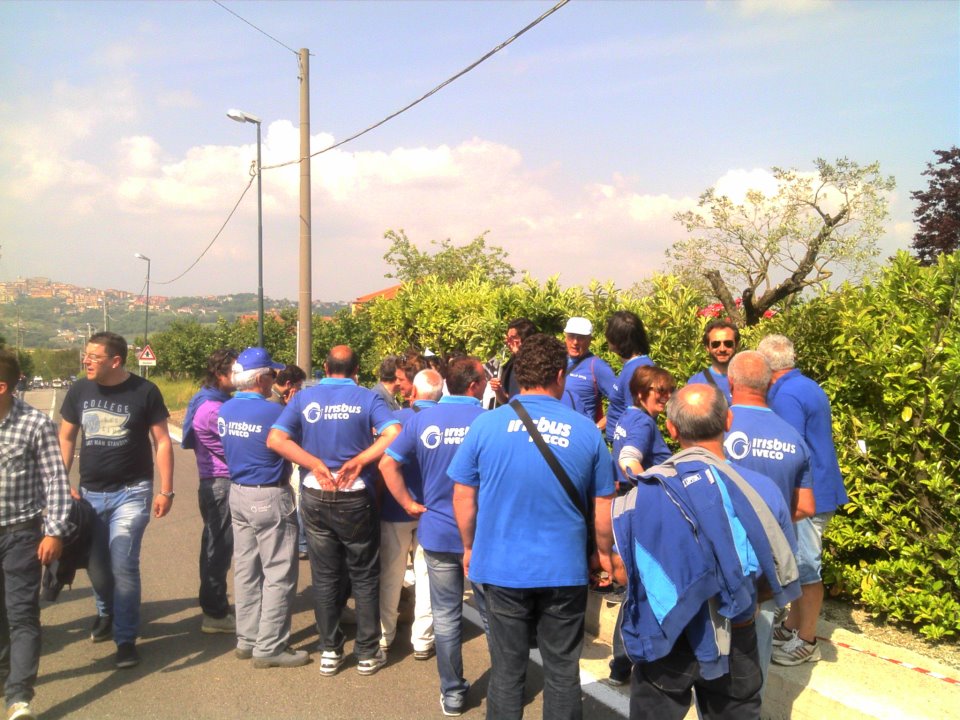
211, 462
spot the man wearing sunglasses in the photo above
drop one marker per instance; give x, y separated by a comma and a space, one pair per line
721, 338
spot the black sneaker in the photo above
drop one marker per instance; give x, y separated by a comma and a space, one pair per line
102, 628
127, 655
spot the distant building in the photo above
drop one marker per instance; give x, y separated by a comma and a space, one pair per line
387, 294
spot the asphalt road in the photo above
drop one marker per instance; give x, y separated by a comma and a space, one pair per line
186, 674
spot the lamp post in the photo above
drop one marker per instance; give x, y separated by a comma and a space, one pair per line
146, 305
244, 117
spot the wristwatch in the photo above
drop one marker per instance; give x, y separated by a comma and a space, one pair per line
170, 494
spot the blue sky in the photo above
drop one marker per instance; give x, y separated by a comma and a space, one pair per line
574, 147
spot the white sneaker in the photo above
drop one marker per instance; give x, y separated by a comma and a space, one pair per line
796, 652
330, 662
782, 635
20, 711
371, 665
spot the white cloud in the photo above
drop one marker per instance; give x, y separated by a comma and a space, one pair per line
171, 208
752, 8
735, 184
610, 230
141, 153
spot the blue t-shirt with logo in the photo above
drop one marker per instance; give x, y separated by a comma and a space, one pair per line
590, 380
336, 421
637, 429
620, 398
770, 494
802, 403
528, 532
761, 441
243, 424
429, 440
721, 382
390, 510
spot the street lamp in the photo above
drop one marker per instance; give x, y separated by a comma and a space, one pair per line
146, 305
243, 117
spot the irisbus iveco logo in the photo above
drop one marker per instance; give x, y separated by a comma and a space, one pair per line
313, 412
431, 437
737, 445
221, 426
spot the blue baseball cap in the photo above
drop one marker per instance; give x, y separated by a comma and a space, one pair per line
254, 358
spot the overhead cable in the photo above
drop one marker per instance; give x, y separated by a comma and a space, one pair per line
419, 100
435, 90
210, 245
255, 27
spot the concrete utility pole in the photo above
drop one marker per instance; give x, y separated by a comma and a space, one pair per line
305, 314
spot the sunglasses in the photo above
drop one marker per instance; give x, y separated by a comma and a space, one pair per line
714, 344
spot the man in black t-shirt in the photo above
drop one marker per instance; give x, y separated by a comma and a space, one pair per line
119, 414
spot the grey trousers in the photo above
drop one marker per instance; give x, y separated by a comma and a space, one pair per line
265, 566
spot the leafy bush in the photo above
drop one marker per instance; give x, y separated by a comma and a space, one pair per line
886, 353
892, 372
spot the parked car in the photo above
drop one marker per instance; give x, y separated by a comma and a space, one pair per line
57, 383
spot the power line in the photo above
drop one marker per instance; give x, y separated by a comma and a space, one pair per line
253, 173
210, 245
255, 27
435, 90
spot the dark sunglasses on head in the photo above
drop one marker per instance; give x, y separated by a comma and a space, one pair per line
714, 344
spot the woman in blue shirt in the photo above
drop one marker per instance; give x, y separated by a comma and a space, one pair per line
637, 441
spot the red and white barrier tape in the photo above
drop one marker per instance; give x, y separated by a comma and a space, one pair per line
908, 666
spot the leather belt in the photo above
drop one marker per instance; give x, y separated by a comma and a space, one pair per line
327, 495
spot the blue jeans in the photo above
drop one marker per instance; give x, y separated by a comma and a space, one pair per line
557, 614
216, 545
810, 546
343, 535
19, 613
446, 598
114, 570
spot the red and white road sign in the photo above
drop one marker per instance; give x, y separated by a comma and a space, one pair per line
147, 357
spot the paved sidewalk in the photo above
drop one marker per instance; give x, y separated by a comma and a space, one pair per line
186, 674
857, 678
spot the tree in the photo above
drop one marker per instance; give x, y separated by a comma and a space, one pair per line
449, 263
938, 208
774, 247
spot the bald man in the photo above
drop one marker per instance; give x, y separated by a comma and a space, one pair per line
762, 441
691, 595
342, 431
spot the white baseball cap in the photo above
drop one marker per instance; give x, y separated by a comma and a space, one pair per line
579, 326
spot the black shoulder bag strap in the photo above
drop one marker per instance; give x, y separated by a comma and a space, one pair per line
557, 469
709, 376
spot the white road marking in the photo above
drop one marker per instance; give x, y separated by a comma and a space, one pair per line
590, 684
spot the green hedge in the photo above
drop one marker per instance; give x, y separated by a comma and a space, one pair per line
886, 353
